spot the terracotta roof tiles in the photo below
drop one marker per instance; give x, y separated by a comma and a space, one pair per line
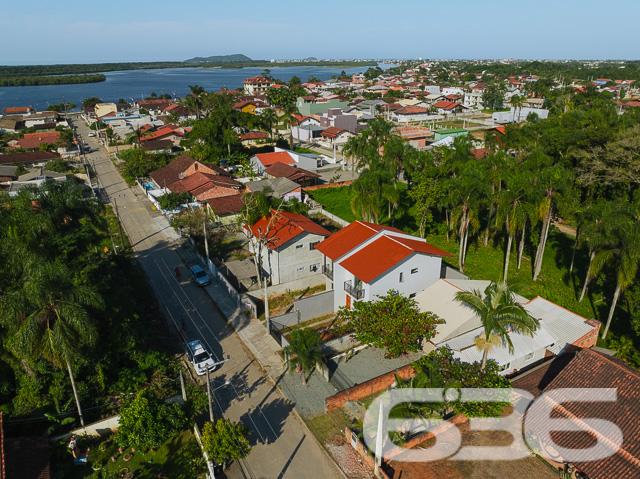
285, 227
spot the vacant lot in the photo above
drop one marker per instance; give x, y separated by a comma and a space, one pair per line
530, 467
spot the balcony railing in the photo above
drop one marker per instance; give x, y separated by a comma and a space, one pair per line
327, 271
356, 293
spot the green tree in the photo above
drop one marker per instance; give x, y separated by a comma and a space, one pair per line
303, 351
227, 442
146, 421
269, 118
392, 322
59, 165
50, 317
624, 256
500, 314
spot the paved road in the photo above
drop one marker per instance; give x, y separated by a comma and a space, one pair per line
282, 445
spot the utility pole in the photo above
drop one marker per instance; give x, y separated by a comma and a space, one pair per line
210, 397
184, 391
206, 241
266, 308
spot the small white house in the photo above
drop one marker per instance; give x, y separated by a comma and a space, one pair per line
558, 328
364, 260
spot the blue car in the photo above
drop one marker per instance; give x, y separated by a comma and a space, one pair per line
200, 276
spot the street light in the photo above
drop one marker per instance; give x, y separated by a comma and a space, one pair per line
210, 394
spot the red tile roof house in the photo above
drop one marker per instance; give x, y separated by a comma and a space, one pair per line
298, 175
32, 141
253, 137
363, 260
410, 113
578, 370
264, 160
204, 186
182, 167
167, 132
18, 110
449, 106
290, 252
226, 209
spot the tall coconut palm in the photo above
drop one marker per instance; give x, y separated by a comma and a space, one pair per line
303, 351
49, 317
624, 256
197, 92
269, 118
599, 233
517, 102
499, 313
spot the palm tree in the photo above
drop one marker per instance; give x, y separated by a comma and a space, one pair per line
289, 120
517, 102
625, 257
303, 351
269, 118
196, 92
500, 314
49, 317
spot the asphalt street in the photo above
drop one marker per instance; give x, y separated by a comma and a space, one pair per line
282, 446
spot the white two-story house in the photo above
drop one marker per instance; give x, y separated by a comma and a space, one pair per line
364, 260
289, 253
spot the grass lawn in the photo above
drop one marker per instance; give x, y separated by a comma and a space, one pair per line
173, 459
487, 262
338, 201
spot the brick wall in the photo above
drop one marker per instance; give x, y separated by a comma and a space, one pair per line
591, 338
367, 388
201, 167
328, 185
217, 192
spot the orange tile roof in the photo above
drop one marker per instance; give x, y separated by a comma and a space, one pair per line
17, 109
268, 159
447, 105
411, 110
285, 227
384, 253
332, 132
347, 238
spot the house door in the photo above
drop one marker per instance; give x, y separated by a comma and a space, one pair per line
348, 301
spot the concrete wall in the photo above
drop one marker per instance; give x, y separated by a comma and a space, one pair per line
339, 345
521, 115
294, 260
331, 216
315, 306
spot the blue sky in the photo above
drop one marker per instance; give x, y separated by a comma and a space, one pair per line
72, 31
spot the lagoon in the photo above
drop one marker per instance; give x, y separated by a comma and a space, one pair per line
138, 84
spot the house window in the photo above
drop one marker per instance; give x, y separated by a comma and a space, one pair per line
505, 367
414, 270
412, 295
298, 246
311, 245
314, 267
301, 268
401, 277
528, 357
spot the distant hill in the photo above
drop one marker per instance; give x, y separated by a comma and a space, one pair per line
310, 59
238, 57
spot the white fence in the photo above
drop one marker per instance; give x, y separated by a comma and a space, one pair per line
331, 216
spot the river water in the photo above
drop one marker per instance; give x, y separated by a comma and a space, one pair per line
138, 84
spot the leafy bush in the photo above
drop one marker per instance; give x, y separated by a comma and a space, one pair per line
146, 421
